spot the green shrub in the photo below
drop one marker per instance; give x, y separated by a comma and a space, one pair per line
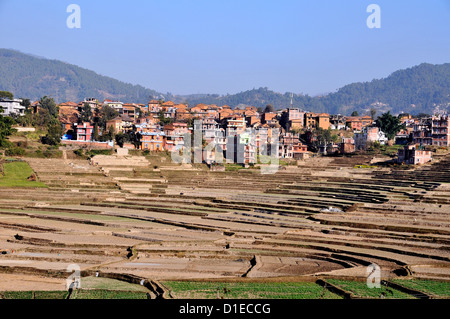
50, 153
79, 152
92, 153
15, 151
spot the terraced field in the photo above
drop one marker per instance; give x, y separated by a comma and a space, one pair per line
130, 219
233, 290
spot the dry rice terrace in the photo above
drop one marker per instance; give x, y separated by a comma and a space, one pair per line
137, 218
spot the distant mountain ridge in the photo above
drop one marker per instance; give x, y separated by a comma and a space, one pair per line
419, 89
32, 77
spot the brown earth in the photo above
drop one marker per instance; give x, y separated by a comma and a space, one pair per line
322, 218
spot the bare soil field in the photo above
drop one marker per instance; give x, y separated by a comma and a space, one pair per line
123, 219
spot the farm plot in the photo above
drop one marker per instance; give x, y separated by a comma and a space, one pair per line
248, 290
127, 218
17, 174
362, 290
108, 294
439, 289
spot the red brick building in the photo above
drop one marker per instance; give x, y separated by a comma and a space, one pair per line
84, 131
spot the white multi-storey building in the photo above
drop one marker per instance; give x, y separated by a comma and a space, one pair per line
11, 107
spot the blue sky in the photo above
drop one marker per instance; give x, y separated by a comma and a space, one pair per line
228, 46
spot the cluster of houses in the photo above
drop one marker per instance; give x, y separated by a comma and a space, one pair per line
420, 134
240, 133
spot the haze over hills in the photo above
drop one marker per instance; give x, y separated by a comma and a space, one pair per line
32, 77
419, 89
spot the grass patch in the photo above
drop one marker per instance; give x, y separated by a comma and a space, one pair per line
58, 294
242, 290
16, 295
77, 294
233, 167
15, 174
100, 283
434, 287
107, 294
364, 166
51, 294
361, 289
390, 150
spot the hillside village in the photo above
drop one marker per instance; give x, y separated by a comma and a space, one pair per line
162, 126
141, 219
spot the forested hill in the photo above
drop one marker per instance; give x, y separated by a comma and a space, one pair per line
419, 89
32, 77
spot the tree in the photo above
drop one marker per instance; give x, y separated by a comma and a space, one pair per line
86, 113
269, 108
27, 103
106, 113
53, 136
389, 124
355, 113
95, 134
138, 112
121, 139
423, 115
162, 119
284, 120
25, 119
42, 119
135, 138
326, 136
6, 129
47, 103
372, 113
97, 115
6, 95
111, 132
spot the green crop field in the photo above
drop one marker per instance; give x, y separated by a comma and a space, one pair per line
15, 174
33, 294
16, 295
434, 287
107, 294
77, 294
360, 289
110, 284
240, 290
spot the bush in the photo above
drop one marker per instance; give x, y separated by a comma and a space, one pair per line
23, 144
49, 153
79, 152
15, 151
92, 153
53, 136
